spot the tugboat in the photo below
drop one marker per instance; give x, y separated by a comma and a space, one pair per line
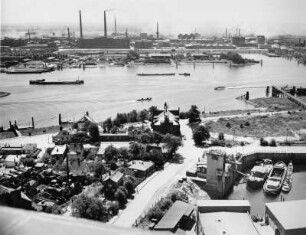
289, 178
259, 174
276, 178
219, 88
145, 99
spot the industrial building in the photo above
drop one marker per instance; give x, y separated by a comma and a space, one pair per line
287, 218
102, 42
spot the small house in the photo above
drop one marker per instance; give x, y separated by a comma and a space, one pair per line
59, 151
29, 148
141, 168
115, 180
11, 161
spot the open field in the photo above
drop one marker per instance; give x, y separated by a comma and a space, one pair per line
274, 104
40, 130
260, 126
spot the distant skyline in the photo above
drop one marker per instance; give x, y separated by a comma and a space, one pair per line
268, 17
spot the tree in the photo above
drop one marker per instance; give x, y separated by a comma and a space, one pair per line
121, 197
93, 130
99, 169
129, 186
113, 208
113, 166
110, 152
108, 124
157, 157
90, 208
172, 143
193, 114
136, 150
152, 110
200, 133
142, 115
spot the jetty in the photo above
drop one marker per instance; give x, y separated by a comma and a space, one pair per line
44, 82
279, 92
155, 74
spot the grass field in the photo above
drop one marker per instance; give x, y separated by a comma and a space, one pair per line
274, 104
260, 126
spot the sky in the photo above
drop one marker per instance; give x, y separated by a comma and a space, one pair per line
207, 17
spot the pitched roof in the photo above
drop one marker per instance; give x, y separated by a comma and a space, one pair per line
116, 177
174, 215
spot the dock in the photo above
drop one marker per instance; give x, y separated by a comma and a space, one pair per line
279, 92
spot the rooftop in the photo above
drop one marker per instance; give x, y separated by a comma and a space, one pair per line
290, 214
116, 176
140, 165
59, 149
174, 215
229, 223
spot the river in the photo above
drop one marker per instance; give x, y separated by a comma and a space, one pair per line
115, 89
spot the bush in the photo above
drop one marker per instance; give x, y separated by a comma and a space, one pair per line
155, 213
113, 166
228, 125
93, 130
113, 208
178, 195
263, 142
121, 197
247, 123
272, 143
221, 136
241, 125
129, 186
89, 207
166, 204
242, 143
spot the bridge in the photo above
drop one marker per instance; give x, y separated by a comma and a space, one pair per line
279, 92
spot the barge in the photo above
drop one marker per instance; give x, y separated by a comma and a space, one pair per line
44, 82
155, 74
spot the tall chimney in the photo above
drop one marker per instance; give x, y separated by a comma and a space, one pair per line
115, 26
226, 32
29, 34
68, 35
105, 29
157, 32
81, 28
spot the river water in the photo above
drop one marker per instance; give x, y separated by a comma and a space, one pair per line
258, 198
115, 89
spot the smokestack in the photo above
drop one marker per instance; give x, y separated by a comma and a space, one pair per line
239, 33
105, 29
126, 33
33, 125
81, 28
226, 32
115, 26
68, 35
29, 35
157, 32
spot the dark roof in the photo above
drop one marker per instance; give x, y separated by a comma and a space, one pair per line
174, 215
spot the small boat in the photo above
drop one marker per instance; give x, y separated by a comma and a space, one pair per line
145, 99
289, 178
276, 178
184, 74
259, 174
218, 88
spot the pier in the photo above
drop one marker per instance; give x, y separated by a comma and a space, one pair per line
279, 92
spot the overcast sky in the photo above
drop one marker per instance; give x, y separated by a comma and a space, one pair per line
268, 17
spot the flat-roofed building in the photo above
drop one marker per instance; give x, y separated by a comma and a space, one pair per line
207, 206
231, 223
141, 168
287, 218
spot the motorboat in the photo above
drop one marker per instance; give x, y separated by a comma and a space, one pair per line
276, 178
218, 88
184, 74
289, 178
259, 174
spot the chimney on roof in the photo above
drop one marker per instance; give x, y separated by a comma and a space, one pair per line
157, 31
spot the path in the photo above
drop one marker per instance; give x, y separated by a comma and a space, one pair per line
159, 183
